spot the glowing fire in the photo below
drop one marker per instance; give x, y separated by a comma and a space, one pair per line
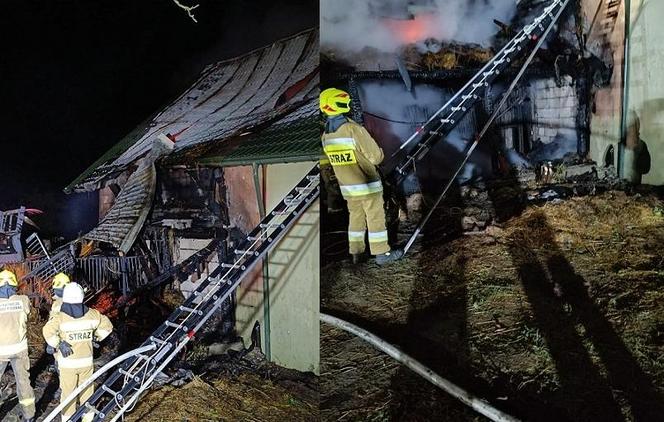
420, 28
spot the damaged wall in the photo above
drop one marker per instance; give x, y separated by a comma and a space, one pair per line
244, 214
294, 293
555, 118
539, 123
607, 102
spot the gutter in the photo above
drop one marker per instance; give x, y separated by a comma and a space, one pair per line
266, 273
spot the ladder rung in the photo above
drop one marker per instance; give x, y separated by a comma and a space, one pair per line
280, 212
269, 225
174, 325
225, 265
108, 390
191, 310
129, 374
93, 409
157, 340
242, 252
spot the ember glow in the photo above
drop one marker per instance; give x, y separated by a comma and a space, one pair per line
352, 25
414, 30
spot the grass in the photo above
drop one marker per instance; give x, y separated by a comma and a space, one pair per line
466, 297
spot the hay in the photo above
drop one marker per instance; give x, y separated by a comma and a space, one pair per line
466, 298
246, 397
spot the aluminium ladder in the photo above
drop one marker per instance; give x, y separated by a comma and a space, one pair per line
447, 117
122, 389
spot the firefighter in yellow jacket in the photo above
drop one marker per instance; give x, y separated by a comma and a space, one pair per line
71, 332
59, 282
14, 311
354, 156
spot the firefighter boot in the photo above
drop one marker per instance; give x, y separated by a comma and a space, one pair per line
359, 258
389, 257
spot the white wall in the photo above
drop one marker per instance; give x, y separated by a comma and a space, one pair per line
294, 280
293, 271
646, 82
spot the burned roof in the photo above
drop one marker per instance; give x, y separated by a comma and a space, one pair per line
293, 138
229, 98
125, 219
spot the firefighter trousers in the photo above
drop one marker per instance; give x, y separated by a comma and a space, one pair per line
21, 366
367, 212
70, 379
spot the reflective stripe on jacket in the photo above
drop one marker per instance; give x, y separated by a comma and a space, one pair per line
79, 333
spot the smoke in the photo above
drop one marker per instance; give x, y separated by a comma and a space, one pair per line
390, 100
351, 25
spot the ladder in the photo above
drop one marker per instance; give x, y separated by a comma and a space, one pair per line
447, 117
11, 222
35, 246
120, 392
47, 268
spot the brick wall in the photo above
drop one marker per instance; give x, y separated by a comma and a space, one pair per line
554, 109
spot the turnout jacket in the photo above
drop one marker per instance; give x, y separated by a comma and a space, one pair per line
354, 155
14, 313
79, 333
55, 307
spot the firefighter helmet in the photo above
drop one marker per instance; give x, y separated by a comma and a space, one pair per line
8, 277
60, 280
334, 101
73, 293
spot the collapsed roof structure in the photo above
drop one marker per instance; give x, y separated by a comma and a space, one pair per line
560, 112
257, 108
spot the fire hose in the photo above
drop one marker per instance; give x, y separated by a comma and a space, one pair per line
93, 378
480, 406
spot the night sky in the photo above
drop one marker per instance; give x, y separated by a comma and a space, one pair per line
77, 76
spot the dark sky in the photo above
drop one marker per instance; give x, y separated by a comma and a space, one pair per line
76, 76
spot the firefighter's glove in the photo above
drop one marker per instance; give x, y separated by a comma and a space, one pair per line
96, 345
65, 349
50, 350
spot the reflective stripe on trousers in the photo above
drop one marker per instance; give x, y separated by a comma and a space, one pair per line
14, 349
366, 213
362, 189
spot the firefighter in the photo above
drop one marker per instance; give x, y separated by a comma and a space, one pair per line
71, 332
14, 311
59, 282
354, 156
331, 186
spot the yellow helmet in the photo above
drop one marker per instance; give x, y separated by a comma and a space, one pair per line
60, 280
8, 277
334, 101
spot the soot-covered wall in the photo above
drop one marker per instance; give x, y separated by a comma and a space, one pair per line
540, 122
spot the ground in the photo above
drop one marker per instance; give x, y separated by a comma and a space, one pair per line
218, 388
557, 314
257, 391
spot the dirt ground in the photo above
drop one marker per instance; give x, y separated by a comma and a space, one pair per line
556, 314
222, 389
